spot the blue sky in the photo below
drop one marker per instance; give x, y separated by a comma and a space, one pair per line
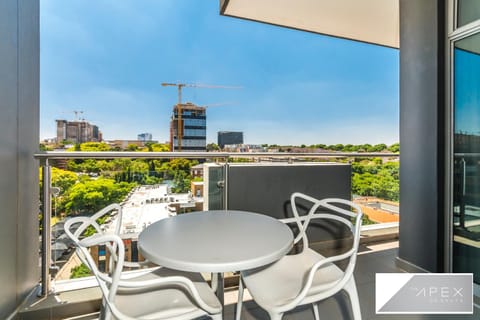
108, 58
467, 98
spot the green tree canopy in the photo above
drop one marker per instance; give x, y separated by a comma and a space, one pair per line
80, 271
91, 195
394, 147
94, 146
132, 147
372, 178
181, 182
212, 147
63, 179
157, 147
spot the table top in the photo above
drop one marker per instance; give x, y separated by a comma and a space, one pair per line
215, 241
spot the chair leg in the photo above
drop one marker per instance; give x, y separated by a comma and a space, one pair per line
315, 311
275, 316
238, 310
217, 316
351, 289
214, 281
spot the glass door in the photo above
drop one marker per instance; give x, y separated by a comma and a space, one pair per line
466, 158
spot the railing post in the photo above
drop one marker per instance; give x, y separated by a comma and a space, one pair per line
46, 235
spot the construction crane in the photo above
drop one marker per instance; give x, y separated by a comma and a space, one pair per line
218, 104
76, 112
179, 104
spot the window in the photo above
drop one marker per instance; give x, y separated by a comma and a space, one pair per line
466, 159
467, 11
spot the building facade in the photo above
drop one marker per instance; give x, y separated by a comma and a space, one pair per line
144, 137
188, 128
77, 131
229, 137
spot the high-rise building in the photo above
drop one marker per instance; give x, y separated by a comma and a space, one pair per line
190, 133
144, 137
229, 137
77, 131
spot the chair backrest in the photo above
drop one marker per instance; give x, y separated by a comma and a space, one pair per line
331, 209
91, 224
108, 282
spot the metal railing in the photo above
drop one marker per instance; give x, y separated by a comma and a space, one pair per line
45, 158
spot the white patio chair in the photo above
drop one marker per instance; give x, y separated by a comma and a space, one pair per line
159, 293
118, 225
306, 277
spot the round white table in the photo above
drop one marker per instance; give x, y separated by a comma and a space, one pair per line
215, 241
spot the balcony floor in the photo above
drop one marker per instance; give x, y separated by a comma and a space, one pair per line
371, 259
380, 259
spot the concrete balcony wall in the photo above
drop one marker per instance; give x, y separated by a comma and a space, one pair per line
19, 137
422, 133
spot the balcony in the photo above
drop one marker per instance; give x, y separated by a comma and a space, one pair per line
379, 246
376, 257
427, 31
80, 299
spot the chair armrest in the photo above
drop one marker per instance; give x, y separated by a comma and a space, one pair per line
308, 283
98, 239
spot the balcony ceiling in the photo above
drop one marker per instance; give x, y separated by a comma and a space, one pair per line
371, 21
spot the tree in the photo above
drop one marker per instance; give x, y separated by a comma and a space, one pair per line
171, 167
156, 147
63, 179
80, 272
89, 196
394, 147
181, 182
44, 147
348, 148
372, 178
132, 147
212, 147
94, 146
379, 147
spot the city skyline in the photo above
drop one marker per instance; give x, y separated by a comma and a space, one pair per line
109, 60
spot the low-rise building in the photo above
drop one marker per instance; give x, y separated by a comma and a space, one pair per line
379, 210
